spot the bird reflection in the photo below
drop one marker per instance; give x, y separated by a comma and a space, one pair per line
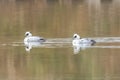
79, 47
30, 45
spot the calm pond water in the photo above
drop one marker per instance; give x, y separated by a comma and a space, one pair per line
57, 21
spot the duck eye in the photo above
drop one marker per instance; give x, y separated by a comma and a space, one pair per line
75, 36
27, 34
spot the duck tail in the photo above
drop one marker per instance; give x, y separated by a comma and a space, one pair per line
43, 40
93, 42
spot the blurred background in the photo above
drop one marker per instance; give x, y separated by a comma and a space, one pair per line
59, 18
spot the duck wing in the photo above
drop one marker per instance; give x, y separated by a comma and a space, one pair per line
35, 39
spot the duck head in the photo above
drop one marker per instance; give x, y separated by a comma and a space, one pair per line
76, 36
28, 34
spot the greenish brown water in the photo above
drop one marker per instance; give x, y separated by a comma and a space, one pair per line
57, 21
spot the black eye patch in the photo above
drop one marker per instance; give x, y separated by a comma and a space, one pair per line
75, 36
27, 34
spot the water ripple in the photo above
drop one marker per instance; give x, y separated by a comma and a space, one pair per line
67, 43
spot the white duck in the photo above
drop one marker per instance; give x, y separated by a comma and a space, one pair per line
30, 38
82, 41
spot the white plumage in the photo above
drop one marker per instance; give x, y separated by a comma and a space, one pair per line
77, 40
